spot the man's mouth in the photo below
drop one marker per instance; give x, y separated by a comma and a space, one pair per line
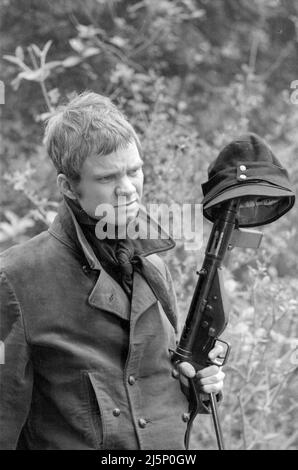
127, 204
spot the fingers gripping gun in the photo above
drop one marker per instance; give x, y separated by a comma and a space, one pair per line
207, 316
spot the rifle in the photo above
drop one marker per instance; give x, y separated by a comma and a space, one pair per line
247, 187
208, 315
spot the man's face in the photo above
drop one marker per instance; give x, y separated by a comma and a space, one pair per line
115, 179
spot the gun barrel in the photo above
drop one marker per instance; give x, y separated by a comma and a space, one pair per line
201, 329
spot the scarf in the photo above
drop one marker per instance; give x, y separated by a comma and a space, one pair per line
121, 257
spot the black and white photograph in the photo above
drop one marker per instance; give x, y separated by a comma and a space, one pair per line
148, 228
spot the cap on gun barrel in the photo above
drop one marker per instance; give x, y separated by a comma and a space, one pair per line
247, 169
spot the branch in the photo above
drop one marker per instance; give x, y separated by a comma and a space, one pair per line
284, 53
242, 414
42, 84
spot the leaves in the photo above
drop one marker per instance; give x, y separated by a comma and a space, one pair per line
14, 226
71, 61
15, 60
190, 76
35, 74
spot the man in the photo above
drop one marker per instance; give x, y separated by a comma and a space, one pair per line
89, 324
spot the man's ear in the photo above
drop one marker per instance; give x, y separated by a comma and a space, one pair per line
65, 186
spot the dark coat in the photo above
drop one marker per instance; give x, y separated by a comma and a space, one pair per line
84, 368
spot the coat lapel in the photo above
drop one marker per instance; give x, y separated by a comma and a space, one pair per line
142, 296
108, 295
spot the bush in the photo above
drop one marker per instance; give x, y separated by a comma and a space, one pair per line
190, 75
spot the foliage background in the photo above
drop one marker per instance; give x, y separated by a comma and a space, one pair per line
190, 75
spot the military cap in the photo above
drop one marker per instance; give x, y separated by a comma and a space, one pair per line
247, 169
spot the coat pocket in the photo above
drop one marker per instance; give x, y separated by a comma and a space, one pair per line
95, 414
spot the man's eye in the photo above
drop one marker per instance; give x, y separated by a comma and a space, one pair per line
134, 172
105, 179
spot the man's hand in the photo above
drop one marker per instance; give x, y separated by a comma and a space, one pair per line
210, 378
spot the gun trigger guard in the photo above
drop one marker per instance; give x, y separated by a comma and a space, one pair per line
226, 355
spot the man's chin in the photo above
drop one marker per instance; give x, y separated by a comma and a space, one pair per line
123, 223
118, 227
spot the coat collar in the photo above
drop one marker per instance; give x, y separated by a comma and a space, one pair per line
66, 229
106, 294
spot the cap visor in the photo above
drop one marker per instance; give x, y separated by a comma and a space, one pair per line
248, 190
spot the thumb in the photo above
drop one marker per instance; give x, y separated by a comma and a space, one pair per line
187, 369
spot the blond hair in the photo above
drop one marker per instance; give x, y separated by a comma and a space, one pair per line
90, 124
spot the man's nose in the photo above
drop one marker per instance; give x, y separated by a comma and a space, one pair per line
125, 187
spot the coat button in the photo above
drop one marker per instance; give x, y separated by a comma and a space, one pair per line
185, 417
175, 373
142, 423
116, 412
243, 177
131, 380
242, 168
